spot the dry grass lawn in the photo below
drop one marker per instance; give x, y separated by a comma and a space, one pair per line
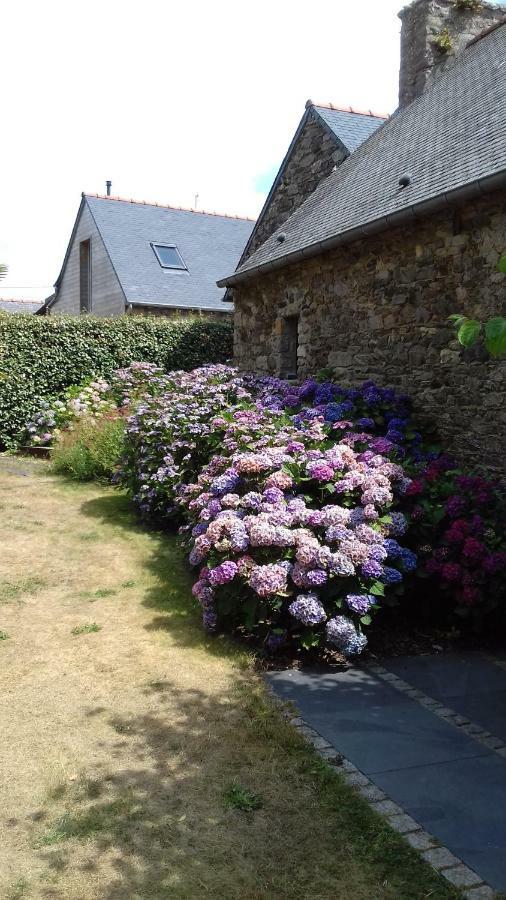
130, 741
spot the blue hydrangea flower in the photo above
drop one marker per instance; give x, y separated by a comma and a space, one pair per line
342, 633
390, 576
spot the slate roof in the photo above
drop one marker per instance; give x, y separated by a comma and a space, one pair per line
350, 126
209, 244
451, 138
20, 306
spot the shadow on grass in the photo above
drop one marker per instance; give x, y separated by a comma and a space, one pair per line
164, 821
166, 829
170, 595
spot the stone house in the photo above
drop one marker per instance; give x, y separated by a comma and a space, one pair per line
139, 258
408, 229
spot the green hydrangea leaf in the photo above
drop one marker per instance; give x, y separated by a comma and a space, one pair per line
468, 332
495, 336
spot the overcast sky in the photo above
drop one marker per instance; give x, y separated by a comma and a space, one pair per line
168, 100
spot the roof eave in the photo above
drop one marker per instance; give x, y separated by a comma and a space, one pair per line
485, 185
155, 305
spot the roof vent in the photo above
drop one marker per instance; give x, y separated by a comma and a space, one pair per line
404, 180
281, 238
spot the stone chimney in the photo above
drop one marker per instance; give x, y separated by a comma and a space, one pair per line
433, 33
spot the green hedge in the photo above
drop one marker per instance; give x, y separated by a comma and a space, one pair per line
40, 357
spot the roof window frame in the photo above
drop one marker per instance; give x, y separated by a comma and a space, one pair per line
154, 246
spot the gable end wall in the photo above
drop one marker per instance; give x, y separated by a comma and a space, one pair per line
107, 296
378, 308
315, 154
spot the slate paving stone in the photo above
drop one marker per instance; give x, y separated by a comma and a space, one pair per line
449, 675
451, 785
463, 804
370, 722
474, 687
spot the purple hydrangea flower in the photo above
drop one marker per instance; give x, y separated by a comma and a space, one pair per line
273, 495
393, 548
269, 579
225, 484
316, 577
308, 610
275, 640
371, 569
223, 573
359, 603
398, 526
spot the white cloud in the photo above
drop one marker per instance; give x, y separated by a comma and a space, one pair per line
167, 100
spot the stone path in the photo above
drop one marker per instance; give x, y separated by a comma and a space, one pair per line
430, 733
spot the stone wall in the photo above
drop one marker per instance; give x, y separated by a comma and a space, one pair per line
378, 308
313, 157
422, 22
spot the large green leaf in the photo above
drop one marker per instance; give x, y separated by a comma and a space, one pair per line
495, 336
501, 265
468, 332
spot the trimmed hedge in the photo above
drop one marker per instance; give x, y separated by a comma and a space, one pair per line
41, 357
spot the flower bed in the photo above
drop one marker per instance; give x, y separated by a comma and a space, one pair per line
297, 503
305, 509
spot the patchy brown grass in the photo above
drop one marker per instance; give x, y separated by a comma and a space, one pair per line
143, 760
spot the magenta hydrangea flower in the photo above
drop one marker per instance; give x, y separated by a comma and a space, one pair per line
320, 471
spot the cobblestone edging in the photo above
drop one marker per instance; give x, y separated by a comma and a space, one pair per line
440, 858
479, 734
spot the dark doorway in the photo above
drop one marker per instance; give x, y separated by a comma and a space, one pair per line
289, 345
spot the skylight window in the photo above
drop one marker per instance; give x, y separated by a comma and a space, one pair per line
169, 256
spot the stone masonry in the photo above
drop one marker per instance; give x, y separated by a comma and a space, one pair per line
422, 22
314, 155
378, 308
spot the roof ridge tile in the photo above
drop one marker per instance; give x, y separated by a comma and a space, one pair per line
201, 212
348, 109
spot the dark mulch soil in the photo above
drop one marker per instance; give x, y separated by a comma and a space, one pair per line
394, 635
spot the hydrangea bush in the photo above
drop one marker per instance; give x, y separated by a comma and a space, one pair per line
89, 399
457, 523
293, 535
286, 506
94, 398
